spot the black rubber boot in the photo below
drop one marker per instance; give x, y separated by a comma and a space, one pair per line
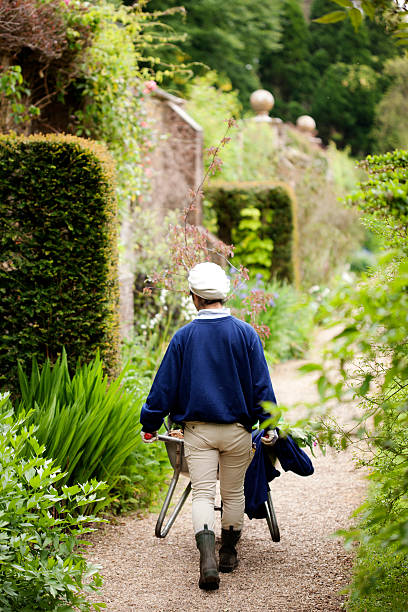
228, 552
209, 577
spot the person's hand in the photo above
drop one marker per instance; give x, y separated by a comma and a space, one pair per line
270, 437
148, 438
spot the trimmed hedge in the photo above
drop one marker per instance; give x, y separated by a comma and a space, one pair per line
58, 266
278, 207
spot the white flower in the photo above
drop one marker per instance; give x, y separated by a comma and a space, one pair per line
163, 295
156, 319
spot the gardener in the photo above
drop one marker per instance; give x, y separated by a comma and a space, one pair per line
212, 379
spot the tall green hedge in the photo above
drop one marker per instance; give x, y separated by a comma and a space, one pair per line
277, 205
58, 262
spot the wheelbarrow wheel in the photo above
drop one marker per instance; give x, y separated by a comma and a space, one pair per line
271, 519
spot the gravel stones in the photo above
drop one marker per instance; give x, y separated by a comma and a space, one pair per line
304, 572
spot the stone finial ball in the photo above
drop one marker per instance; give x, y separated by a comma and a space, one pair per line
262, 100
306, 123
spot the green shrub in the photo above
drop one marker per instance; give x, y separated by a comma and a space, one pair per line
385, 592
289, 317
41, 567
89, 427
278, 215
253, 152
384, 197
368, 363
58, 237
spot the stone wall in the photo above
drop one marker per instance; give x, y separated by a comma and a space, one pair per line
177, 167
177, 162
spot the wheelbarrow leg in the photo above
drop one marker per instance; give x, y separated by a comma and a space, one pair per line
161, 531
271, 519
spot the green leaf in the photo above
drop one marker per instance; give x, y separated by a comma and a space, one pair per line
333, 17
369, 8
356, 18
344, 3
310, 367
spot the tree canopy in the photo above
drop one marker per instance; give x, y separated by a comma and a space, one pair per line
229, 37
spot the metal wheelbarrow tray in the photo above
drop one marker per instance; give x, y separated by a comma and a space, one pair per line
175, 452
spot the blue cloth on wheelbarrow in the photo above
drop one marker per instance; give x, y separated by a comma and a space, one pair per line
259, 473
261, 470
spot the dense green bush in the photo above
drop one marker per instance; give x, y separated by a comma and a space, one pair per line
278, 216
288, 72
350, 77
41, 567
226, 37
344, 105
253, 152
58, 236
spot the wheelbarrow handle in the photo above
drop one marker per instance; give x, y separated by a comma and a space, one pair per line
170, 439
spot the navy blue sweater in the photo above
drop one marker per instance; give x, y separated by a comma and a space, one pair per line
215, 371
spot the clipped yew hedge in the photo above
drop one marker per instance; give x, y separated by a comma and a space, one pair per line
58, 265
277, 204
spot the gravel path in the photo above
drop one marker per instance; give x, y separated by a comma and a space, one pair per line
304, 572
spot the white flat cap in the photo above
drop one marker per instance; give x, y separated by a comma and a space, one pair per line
209, 281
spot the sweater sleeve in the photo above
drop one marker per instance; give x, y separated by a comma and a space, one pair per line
162, 398
262, 385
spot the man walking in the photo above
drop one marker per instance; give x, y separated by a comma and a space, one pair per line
212, 380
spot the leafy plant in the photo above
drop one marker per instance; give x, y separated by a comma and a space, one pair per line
303, 430
276, 224
41, 525
288, 315
232, 40
88, 426
250, 249
13, 96
41, 41
372, 369
386, 590
384, 196
389, 131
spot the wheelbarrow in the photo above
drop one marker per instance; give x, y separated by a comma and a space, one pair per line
175, 452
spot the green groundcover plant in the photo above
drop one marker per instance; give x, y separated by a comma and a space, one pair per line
41, 525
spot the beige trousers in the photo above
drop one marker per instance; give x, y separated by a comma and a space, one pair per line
207, 447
